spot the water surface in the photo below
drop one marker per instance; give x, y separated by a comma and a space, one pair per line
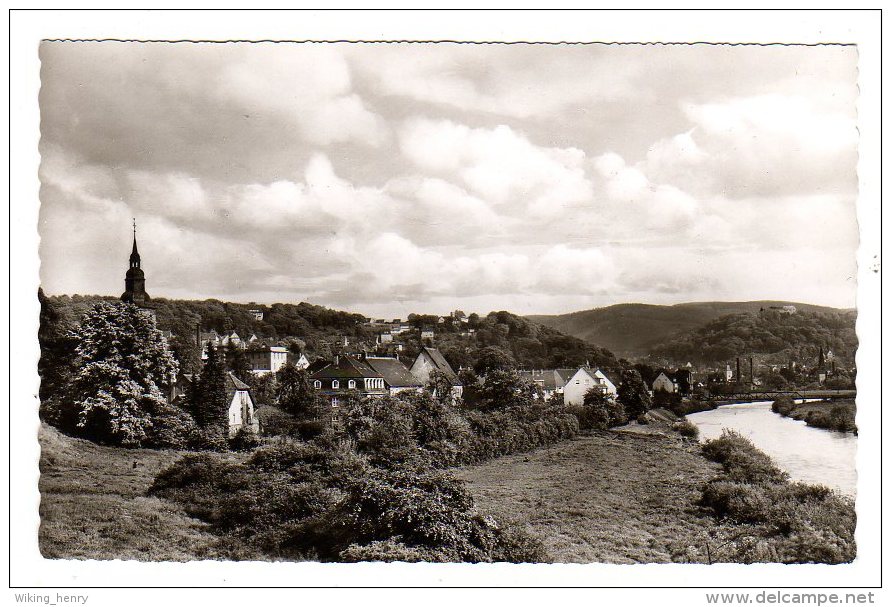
810, 455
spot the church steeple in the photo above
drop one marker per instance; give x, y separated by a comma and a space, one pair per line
134, 281
134, 255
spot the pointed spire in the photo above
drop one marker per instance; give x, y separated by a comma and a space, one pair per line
134, 255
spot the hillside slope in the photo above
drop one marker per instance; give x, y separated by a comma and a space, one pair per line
630, 330
93, 505
772, 336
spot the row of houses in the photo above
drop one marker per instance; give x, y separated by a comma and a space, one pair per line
262, 356
335, 380
572, 383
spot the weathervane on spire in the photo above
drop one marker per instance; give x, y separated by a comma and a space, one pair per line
134, 228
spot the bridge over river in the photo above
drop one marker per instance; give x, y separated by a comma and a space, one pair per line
761, 395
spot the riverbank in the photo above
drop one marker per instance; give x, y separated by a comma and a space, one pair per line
837, 415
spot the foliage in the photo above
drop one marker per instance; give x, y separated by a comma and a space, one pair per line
790, 522
121, 373
208, 398
440, 386
686, 428
600, 411
505, 389
493, 358
769, 333
633, 394
316, 500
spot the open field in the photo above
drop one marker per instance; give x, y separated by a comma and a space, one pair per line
615, 497
94, 505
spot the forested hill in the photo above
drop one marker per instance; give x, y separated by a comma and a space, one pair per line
318, 331
631, 330
771, 335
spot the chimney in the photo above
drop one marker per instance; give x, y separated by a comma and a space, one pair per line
738, 378
336, 359
752, 369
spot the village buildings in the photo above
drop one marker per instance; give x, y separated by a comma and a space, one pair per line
430, 360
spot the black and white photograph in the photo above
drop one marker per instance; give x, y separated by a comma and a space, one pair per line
450, 302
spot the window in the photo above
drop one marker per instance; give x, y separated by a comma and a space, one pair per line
334, 403
352, 384
317, 384
335, 384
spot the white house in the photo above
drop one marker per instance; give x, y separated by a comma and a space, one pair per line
267, 359
583, 380
241, 406
430, 360
664, 383
302, 362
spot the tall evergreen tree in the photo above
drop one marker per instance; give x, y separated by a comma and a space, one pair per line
209, 406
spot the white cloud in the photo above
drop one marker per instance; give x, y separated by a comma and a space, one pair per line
499, 165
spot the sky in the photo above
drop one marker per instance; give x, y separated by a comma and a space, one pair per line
395, 178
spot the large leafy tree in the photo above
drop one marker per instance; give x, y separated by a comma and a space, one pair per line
124, 369
633, 394
294, 392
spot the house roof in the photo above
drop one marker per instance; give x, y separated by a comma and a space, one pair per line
233, 382
563, 375
346, 366
441, 363
395, 373
546, 379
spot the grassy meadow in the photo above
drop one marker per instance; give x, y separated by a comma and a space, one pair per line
94, 505
611, 497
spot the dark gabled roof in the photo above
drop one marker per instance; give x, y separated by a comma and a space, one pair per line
563, 376
346, 366
545, 379
395, 374
441, 364
614, 376
317, 365
234, 385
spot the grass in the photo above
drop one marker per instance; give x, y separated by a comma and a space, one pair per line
94, 505
611, 497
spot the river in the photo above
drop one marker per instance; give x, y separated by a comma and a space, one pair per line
811, 455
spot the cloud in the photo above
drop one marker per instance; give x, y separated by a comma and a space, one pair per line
512, 177
498, 165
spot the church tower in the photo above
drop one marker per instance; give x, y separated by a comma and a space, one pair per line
134, 282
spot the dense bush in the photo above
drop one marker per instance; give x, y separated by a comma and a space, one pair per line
785, 522
840, 419
318, 500
741, 460
600, 411
783, 405
686, 429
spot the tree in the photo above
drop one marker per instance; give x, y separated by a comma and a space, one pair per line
237, 362
124, 369
502, 389
493, 358
633, 394
440, 386
601, 410
294, 392
209, 396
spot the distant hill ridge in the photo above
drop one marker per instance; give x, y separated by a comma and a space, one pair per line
631, 330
